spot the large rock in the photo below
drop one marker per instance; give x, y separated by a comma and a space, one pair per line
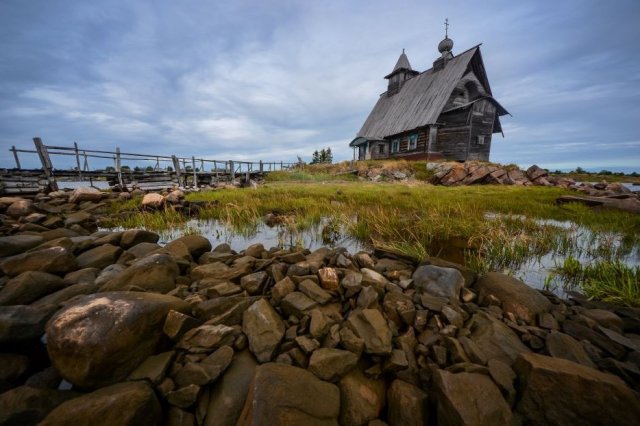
99, 257
224, 310
61, 296
228, 395
562, 345
28, 287
516, 297
494, 339
469, 399
438, 281
54, 260
220, 271
361, 398
133, 237
264, 329
560, 392
23, 322
15, 244
152, 201
101, 338
122, 404
406, 404
196, 244
285, 395
20, 208
156, 273
26, 405
370, 325
80, 195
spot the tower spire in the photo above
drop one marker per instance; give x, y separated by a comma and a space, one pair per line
446, 27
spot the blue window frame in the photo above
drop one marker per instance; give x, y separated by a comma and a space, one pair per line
395, 145
413, 141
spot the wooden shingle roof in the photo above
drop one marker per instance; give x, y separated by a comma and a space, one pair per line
419, 102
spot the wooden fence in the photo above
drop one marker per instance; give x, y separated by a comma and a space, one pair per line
167, 171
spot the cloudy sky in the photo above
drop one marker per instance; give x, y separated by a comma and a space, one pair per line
273, 79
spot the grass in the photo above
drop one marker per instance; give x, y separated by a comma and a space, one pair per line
609, 281
494, 227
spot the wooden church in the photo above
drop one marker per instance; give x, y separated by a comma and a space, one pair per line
446, 112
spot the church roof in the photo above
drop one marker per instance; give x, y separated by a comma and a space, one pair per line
421, 99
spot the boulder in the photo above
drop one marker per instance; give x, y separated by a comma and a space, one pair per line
156, 273
438, 281
331, 364
23, 322
153, 368
196, 244
78, 218
224, 310
152, 201
314, 292
133, 237
83, 194
26, 405
563, 346
406, 404
207, 371
516, 297
254, 283
122, 404
605, 318
469, 399
286, 395
220, 271
361, 398
54, 260
15, 244
99, 257
297, 304
61, 296
101, 338
264, 329
206, 338
229, 393
535, 172
556, 391
28, 287
370, 325
20, 208
328, 278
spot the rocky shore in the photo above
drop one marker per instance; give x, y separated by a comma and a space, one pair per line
110, 328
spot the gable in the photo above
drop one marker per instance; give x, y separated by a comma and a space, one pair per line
420, 100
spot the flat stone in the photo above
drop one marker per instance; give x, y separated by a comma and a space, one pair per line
53, 260
15, 244
370, 325
99, 257
220, 271
331, 364
282, 288
406, 404
85, 193
61, 296
206, 338
563, 346
26, 405
469, 399
264, 329
224, 310
156, 273
23, 322
29, 287
153, 368
207, 371
285, 395
314, 291
549, 388
605, 318
297, 304
177, 324
361, 398
254, 283
132, 237
495, 339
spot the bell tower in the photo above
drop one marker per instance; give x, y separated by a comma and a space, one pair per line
401, 73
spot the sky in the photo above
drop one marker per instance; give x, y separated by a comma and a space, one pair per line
276, 79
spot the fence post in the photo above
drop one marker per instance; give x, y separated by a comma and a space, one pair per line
281, 166
195, 175
119, 167
232, 169
75, 149
47, 167
15, 155
261, 167
85, 166
176, 166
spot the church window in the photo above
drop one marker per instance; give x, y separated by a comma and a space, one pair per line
413, 141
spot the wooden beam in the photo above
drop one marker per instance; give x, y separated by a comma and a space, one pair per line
15, 156
47, 167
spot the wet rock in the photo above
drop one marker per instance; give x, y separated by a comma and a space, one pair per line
264, 329
123, 404
28, 287
101, 338
469, 399
361, 398
80, 195
495, 339
23, 322
438, 281
285, 395
53, 260
132, 237
15, 244
558, 391
331, 364
370, 325
229, 393
99, 257
156, 273
152, 201
26, 405
406, 404
563, 346
516, 297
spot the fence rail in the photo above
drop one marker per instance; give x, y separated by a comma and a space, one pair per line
167, 171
